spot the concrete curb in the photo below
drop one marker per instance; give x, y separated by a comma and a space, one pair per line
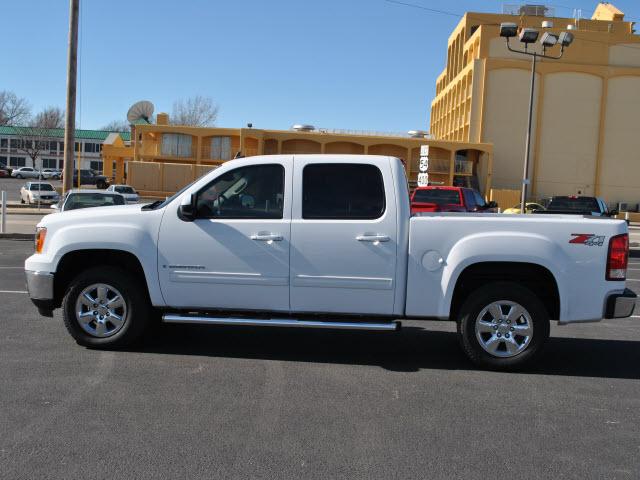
17, 236
10, 211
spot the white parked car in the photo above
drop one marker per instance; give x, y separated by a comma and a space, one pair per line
25, 172
88, 198
51, 173
129, 193
326, 241
32, 192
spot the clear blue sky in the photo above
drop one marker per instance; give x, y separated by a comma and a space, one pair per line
357, 64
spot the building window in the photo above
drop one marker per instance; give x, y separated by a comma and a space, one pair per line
17, 162
176, 144
221, 148
342, 191
77, 146
4, 144
92, 147
3, 160
49, 163
53, 147
14, 144
96, 165
61, 146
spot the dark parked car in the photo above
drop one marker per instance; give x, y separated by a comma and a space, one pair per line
89, 177
578, 205
449, 199
5, 171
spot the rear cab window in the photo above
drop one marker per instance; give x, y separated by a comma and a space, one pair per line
439, 196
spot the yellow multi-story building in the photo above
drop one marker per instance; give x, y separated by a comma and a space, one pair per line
162, 158
585, 135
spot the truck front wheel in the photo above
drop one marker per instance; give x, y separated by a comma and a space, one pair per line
502, 326
105, 307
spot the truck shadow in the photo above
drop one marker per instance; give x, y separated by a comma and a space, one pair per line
411, 350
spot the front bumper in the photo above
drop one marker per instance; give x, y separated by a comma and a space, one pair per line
40, 287
620, 305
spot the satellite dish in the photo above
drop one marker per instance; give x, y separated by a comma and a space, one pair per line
142, 110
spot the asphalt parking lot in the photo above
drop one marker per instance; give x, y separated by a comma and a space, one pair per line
213, 402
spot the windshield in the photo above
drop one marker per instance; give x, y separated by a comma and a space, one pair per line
87, 200
437, 196
124, 190
43, 187
578, 204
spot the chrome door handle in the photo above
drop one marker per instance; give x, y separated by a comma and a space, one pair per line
266, 237
372, 238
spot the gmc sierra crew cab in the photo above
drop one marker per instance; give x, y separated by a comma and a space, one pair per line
326, 241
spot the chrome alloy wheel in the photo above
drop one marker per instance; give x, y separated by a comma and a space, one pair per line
504, 328
101, 310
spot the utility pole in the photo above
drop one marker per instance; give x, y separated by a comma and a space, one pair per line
70, 117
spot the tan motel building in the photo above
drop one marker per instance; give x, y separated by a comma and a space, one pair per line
161, 157
586, 133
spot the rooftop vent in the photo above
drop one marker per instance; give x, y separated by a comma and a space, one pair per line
417, 133
532, 10
303, 128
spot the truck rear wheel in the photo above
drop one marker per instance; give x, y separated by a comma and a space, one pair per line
503, 326
105, 307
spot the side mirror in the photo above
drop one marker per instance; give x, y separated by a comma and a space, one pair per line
492, 204
55, 207
613, 213
188, 207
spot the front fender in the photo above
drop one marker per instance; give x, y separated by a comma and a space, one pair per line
138, 240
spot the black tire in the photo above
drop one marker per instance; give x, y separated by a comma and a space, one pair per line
21, 200
138, 309
19, 176
485, 296
101, 185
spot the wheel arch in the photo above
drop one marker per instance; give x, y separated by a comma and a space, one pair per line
537, 278
74, 262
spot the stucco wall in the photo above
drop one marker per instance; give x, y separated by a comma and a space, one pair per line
620, 172
569, 127
505, 122
625, 55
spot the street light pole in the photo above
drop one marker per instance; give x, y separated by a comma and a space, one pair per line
529, 36
525, 173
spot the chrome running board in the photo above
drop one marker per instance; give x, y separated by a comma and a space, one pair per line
280, 322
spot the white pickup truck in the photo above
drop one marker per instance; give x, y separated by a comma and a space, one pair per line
326, 241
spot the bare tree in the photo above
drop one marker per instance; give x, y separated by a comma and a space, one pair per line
198, 111
50, 117
13, 109
30, 141
117, 126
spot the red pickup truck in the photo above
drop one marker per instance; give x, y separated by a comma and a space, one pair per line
449, 199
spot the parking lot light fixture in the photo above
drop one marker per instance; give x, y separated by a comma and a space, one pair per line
529, 36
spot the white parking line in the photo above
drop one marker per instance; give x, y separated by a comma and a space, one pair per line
632, 280
20, 268
13, 291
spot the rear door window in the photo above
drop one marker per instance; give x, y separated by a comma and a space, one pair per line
341, 191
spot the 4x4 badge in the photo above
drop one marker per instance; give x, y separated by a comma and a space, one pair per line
589, 239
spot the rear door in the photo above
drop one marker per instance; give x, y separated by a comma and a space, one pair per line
343, 236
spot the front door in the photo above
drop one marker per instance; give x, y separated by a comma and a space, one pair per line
344, 236
235, 254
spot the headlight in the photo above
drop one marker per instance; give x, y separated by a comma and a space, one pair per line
41, 233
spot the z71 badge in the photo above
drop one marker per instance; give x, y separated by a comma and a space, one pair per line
588, 239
